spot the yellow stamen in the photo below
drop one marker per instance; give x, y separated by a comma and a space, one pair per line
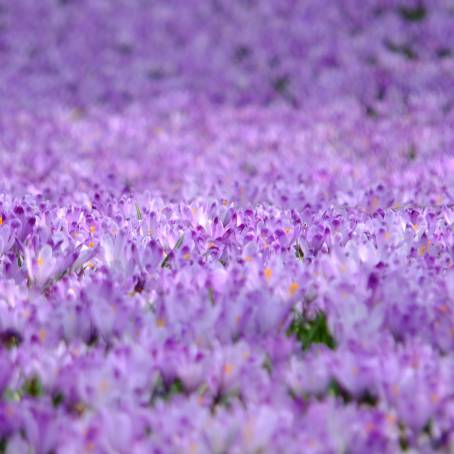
375, 203
42, 334
187, 256
228, 369
391, 419
1, 220
268, 272
293, 288
248, 258
104, 385
343, 268
91, 244
160, 323
92, 229
40, 261
80, 408
248, 431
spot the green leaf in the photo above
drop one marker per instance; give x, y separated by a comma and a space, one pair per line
165, 262
310, 332
280, 84
267, 364
165, 391
57, 399
336, 390
428, 428
92, 341
211, 296
299, 252
411, 152
176, 387
33, 387
224, 399
404, 442
139, 212
416, 14
178, 244
402, 49
10, 339
12, 396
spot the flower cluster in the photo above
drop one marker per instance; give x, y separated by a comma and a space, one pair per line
226, 226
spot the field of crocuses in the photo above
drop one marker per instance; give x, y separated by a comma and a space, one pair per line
226, 226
